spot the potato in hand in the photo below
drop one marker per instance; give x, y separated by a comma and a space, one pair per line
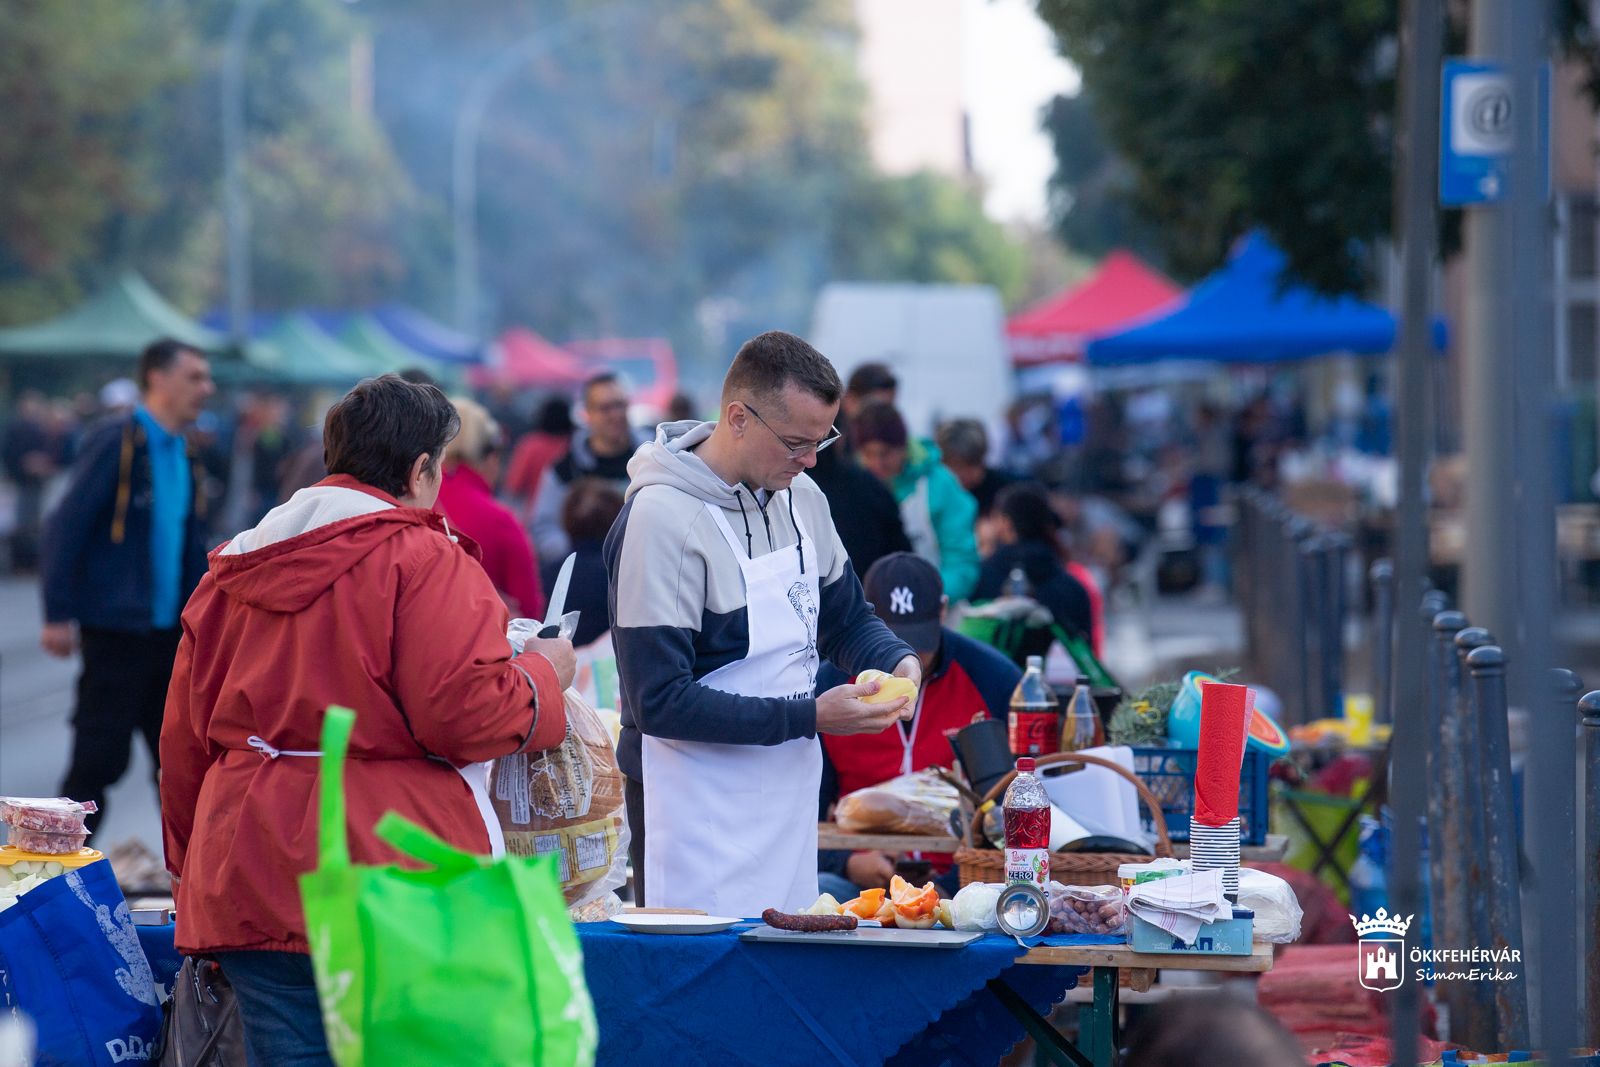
890, 688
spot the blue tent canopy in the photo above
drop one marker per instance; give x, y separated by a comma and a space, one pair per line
431, 340
1247, 312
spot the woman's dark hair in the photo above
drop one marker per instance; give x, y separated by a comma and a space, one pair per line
769, 361
1027, 505
554, 417
379, 428
880, 422
592, 505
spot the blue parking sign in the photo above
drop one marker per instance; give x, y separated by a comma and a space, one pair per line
1476, 120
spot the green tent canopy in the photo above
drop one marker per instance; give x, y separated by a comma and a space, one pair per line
117, 322
366, 335
297, 351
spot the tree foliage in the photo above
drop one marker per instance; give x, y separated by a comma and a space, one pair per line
1238, 113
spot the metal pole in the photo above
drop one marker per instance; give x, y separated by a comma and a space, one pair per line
1589, 716
1382, 577
1549, 782
464, 148
1475, 1025
235, 204
1488, 666
1423, 47
1447, 840
1489, 568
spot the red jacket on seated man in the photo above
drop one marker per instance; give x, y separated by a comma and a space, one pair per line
962, 679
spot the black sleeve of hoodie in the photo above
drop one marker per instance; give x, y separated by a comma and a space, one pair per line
849, 635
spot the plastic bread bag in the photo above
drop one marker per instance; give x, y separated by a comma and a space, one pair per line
568, 802
920, 803
1277, 909
1086, 909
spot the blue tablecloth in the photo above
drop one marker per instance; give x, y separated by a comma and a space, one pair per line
712, 999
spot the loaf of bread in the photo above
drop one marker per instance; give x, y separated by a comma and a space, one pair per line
567, 802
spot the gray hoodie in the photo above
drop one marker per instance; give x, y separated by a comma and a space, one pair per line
678, 603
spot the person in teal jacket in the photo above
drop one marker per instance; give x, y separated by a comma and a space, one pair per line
940, 517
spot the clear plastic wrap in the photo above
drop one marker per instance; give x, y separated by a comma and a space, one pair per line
46, 843
919, 803
56, 815
1087, 909
973, 907
1277, 909
568, 802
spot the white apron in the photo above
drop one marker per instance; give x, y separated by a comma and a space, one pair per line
916, 514
732, 829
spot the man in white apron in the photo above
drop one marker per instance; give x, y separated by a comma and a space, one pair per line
729, 586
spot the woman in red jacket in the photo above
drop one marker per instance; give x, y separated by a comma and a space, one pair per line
353, 592
471, 467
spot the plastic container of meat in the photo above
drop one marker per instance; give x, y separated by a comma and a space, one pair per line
55, 815
47, 843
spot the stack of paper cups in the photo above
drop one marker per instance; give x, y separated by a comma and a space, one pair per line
1217, 848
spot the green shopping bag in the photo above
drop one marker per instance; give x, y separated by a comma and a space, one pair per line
473, 961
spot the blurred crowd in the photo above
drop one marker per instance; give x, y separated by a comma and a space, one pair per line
1122, 494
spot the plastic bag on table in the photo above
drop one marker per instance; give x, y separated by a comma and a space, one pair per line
1277, 909
919, 803
568, 801
1086, 909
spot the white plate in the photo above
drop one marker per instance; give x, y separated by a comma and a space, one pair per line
675, 924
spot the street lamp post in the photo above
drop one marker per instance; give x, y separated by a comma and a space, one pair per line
235, 206
468, 129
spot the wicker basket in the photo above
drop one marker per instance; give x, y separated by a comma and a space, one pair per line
1072, 868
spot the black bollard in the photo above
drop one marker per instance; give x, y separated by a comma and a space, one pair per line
1504, 889
1589, 865
1473, 1024
1335, 550
1447, 822
1381, 576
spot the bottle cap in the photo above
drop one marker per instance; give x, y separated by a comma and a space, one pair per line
1036, 661
1025, 764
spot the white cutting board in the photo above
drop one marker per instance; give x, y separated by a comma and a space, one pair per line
865, 935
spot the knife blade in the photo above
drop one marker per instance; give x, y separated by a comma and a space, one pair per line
558, 598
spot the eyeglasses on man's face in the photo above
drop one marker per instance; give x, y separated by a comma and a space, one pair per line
796, 451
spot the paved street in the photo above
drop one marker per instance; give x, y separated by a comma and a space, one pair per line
35, 736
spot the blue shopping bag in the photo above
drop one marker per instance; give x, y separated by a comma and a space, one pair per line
71, 960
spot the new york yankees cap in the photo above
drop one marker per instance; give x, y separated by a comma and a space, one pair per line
907, 593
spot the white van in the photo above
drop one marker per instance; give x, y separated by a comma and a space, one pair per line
945, 343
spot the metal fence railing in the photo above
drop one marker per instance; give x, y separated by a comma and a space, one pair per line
1290, 582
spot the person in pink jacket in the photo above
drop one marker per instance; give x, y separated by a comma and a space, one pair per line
467, 501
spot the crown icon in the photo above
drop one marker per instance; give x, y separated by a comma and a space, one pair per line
1382, 923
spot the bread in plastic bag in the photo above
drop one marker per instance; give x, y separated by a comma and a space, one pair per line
919, 803
568, 800
1086, 909
1277, 909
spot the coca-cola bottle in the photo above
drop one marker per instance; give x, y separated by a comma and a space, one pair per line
1081, 729
1027, 823
1035, 719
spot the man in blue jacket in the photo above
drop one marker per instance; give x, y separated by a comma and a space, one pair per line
124, 549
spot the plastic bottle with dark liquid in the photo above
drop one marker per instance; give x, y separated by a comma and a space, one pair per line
1027, 823
1080, 728
1035, 714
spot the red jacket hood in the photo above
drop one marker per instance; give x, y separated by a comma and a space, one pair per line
302, 546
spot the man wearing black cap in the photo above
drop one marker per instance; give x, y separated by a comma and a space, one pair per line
961, 679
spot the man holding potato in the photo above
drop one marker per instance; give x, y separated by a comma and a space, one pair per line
728, 587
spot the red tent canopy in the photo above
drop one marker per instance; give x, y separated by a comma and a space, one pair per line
523, 358
1120, 290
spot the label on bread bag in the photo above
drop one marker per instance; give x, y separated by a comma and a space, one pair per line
584, 851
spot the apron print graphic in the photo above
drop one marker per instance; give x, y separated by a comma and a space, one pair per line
806, 608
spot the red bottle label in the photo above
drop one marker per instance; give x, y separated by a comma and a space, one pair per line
1035, 733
